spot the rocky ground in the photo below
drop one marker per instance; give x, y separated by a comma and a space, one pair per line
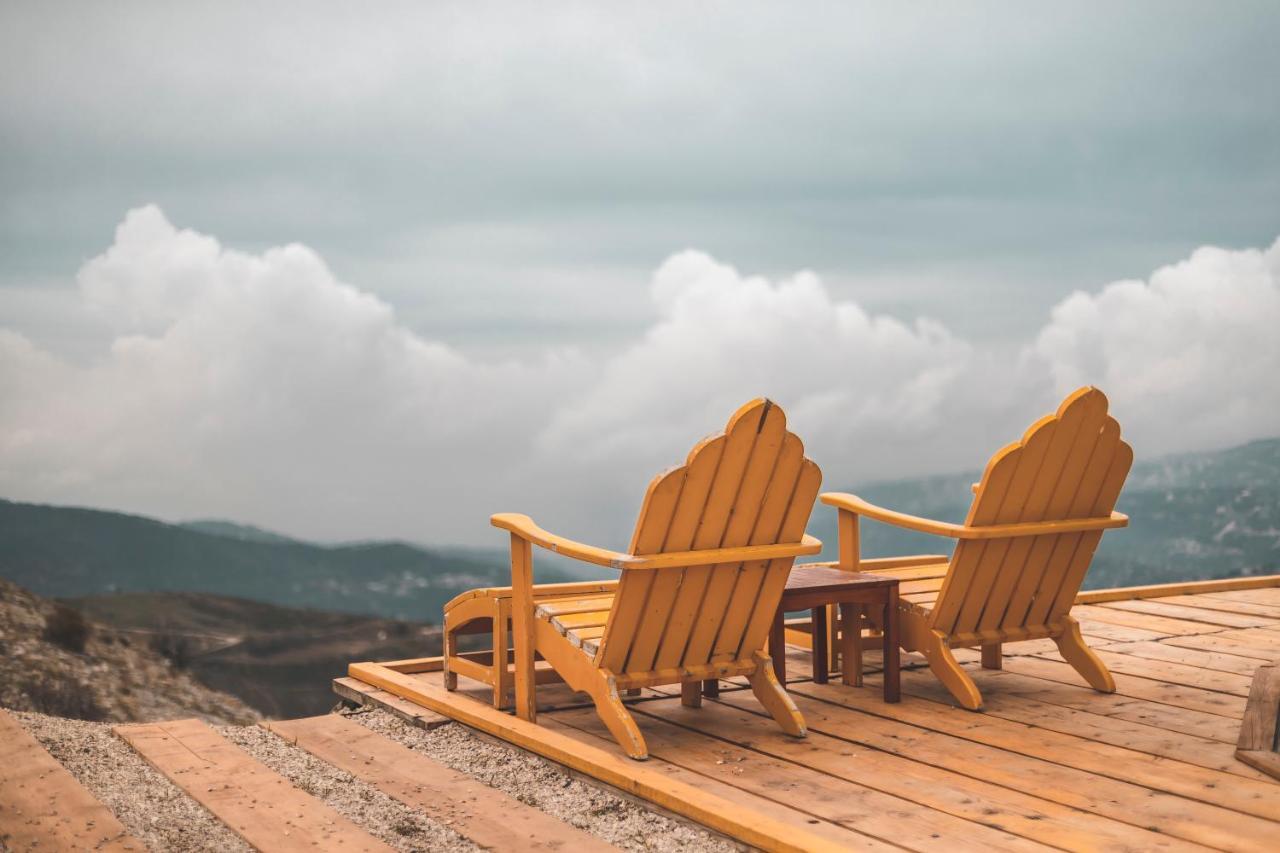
166, 819
54, 661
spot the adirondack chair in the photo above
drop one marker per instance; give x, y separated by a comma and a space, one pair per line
708, 562
1036, 518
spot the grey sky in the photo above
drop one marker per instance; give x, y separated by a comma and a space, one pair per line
515, 181
511, 174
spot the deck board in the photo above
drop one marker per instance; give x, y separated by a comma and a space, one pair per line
1048, 763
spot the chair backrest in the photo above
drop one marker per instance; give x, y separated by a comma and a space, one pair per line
1071, 464
749, 485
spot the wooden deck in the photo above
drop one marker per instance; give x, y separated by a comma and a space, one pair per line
1048, 763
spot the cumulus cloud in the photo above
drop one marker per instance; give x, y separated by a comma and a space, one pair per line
1191, 355
262, 388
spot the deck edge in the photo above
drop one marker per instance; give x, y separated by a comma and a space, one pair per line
1160, 590
625, 774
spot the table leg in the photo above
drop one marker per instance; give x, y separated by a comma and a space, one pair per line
778, 646
819, 636
892, 664
851, 644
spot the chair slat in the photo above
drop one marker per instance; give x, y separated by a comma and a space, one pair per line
736, 519
803, 496
1078, 430
633, 588
667, 583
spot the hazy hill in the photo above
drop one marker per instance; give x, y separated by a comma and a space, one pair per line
279, 660
69, 552
54, 661
1193, 516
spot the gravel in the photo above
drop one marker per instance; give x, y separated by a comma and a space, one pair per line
396, 824
544, 785
151, 807
164, 818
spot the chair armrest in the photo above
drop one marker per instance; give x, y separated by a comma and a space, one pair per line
858, 506
524, 527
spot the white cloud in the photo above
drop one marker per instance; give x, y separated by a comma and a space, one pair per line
1190, 356
260, 387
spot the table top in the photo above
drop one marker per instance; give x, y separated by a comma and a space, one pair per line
821, 578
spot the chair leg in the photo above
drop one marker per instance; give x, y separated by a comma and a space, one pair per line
775, 700
1083, 659
691, 694
502, 675
953, 677
992, 656
618, 719
450, 649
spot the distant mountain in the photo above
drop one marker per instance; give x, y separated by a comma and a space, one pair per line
1193, 516
69, 552
231, 530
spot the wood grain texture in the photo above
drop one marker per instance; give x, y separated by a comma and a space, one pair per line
254, 802
43, 807
485, 815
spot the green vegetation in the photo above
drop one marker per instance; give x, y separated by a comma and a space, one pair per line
68, 552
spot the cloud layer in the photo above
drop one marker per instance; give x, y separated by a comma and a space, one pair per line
260, 387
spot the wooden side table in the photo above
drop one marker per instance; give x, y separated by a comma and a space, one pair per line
813, 587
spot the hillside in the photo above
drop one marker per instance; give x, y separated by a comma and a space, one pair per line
53, 661
69, 552
1193, 516
279, 660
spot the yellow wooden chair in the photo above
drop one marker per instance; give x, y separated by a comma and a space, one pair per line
708, 562
1036, 518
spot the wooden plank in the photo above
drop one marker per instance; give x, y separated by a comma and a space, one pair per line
1264, 595
1145, 621
813, 794
1129, 593
1250, 608
363, 694
43, 807
1156, 607
1149, 727
1244, 647
232, 785
739, 796
846, 746
485, 815
1178, 695
1216, 798
1175, 673
1055, 683
1219, 661
1094, 631
601, 762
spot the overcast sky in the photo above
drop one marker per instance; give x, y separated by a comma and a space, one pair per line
380, 271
